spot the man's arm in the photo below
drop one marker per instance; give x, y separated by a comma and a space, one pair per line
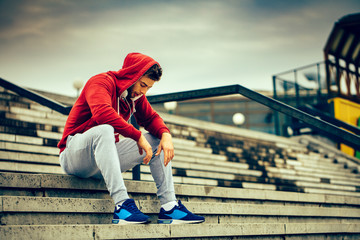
152, 122
143, 144
147, 117
167, 146
98, 96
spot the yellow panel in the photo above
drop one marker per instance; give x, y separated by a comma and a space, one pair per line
348, 112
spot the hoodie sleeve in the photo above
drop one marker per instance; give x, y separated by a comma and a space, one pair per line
98, 96
147, 117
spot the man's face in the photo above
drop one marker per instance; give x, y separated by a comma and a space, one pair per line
141, 86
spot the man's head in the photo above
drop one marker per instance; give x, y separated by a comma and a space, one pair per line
146, 81
154, 72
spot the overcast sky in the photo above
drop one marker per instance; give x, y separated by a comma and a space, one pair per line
48, 44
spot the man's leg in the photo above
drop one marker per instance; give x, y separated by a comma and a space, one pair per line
129, 157
170, 212
92, 154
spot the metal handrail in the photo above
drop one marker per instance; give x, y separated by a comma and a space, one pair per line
321, 126
36, 97
300, 68
316, 112
276, 78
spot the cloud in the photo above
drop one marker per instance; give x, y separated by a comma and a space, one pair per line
48, 44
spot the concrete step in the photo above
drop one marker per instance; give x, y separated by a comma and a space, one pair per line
35, 140
297, 178
178, 162
188, 231
14, 100
8, 96
37, 113
331, 169
200, 155
22, 127
29, 148
186, 176
328, 166
335, 172
29, 157
21, 139
331, 191
26, 157
34, 119
210, 174
49, 135
184, 172
233, 165
246, 135
191, 177
180, 144
326, 163
311, 173
57, 97
29, 167
21, 210
55, 185
311, 156
35, 145
191, 145
290, 147
322, 161
329, 186
181, 176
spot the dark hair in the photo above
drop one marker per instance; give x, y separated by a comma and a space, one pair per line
154, 73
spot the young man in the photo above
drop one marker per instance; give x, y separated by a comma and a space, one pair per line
90, 146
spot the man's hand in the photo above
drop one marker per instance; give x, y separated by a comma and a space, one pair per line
167, 146
143, 144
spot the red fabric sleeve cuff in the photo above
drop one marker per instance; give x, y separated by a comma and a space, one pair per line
163, 130
135, 135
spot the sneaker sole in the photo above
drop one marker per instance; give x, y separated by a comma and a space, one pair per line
123, 222
175, 221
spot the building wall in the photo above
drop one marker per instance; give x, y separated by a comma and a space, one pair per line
221, 110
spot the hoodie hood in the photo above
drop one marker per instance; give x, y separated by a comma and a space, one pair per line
134, 67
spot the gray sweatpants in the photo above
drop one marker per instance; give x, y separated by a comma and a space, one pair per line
94, 153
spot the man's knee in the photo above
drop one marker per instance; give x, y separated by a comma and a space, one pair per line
105, 131
153, 141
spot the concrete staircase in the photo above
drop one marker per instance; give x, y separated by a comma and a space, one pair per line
248, 185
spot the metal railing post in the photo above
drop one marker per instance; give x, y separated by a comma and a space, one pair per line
136, 169
276, 113
319, 82
297, 93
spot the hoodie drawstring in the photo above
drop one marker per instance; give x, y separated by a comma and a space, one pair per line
132, 109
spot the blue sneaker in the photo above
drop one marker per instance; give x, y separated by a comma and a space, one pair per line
178, 215
128, 213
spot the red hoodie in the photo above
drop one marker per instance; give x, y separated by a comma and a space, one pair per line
100, 103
